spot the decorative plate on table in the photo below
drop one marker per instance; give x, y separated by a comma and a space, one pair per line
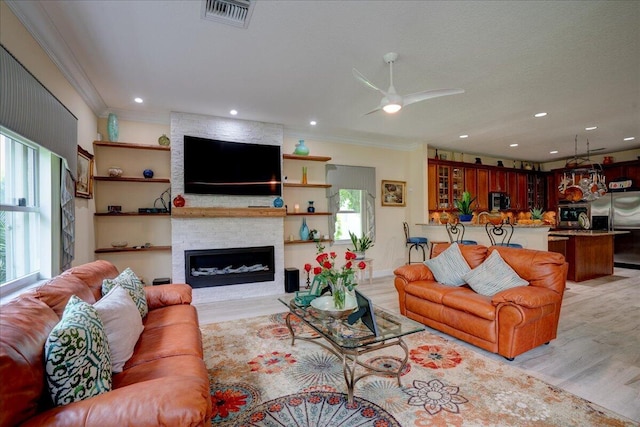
583, 220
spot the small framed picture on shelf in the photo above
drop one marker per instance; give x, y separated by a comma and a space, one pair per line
84, 179
394, 193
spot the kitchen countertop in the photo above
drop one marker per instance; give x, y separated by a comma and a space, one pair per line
585, 233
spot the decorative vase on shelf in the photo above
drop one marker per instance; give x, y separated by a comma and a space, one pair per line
112, 127
164, 140
304, 230
178, 201
304, 174
311, 208
278, 202
301, 149
147, 173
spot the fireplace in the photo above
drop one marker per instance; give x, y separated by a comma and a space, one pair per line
222, 267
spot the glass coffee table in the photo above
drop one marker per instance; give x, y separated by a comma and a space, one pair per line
348, 342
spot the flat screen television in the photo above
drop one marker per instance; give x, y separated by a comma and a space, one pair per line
232, 168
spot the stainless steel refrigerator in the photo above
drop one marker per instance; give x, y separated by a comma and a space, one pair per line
620, 211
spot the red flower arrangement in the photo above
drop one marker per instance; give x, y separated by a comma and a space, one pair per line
336, 278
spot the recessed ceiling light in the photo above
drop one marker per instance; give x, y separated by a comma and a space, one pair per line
513, 145
233, 112
313, 123
540, 114
553, 152
464, 136
591, 128
138, 100
630, 138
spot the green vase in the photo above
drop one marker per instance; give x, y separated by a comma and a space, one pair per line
304, 230
112, 127
301, 149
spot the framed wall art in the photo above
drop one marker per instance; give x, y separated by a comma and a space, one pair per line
394, 193
84, 181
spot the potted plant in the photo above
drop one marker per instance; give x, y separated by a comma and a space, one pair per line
464, 207
360, 244
537, 215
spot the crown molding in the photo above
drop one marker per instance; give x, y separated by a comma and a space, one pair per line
36, 20
374, 141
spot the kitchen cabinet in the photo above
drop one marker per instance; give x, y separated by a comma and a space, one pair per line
498, 180
300, 193
141, 217
447, 180
446, 184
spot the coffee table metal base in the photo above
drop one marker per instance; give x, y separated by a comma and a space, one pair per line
349, 357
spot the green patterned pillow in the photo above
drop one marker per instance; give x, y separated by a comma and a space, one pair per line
77, 357
128, 280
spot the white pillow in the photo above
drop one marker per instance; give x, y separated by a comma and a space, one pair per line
493, 275
122, 324
449, 267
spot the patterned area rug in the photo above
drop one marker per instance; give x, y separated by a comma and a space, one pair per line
259, 379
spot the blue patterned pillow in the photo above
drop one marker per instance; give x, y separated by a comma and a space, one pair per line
493, 275
449, 267
77, 358
129, 281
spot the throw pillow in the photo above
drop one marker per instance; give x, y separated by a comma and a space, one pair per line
449, 267
122, 323
77, 359
132, 284
493, 275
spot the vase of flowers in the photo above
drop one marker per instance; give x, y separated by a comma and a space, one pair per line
340, 280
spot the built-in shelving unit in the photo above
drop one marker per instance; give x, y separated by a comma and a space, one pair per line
132, 192
292, 187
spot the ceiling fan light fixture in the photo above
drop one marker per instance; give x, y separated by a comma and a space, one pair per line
392, 108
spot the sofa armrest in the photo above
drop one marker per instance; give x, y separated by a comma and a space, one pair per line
163, 295
527, 296
414, 272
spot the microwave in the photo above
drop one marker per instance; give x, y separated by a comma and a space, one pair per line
569, 214
499, 201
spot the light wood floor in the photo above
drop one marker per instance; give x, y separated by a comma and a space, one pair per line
596, 355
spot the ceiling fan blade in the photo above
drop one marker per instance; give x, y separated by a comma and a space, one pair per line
428, 94
372, 111
358, 75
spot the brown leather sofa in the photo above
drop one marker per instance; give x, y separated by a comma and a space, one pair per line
510, 322
164, 383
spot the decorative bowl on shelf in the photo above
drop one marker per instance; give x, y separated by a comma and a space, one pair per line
120, 244
115, 172
327, 309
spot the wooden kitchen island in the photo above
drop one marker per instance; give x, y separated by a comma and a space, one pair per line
589, 253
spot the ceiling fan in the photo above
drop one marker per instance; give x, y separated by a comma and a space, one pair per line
391, 101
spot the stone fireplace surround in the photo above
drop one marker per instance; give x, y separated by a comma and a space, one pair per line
228, 231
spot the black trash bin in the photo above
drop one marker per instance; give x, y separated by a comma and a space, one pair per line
291, 279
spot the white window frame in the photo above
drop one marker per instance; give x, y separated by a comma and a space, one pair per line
40, 204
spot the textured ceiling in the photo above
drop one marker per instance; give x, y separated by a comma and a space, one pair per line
578, 61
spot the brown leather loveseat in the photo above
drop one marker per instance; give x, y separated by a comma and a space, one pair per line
164, 383
508, 323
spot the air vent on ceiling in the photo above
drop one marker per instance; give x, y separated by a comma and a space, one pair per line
230, 12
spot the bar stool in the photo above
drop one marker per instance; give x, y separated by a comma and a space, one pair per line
456, 234
500, 234
416, 243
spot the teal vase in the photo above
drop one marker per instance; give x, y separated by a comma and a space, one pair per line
112, 127
301, 149
304, 230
